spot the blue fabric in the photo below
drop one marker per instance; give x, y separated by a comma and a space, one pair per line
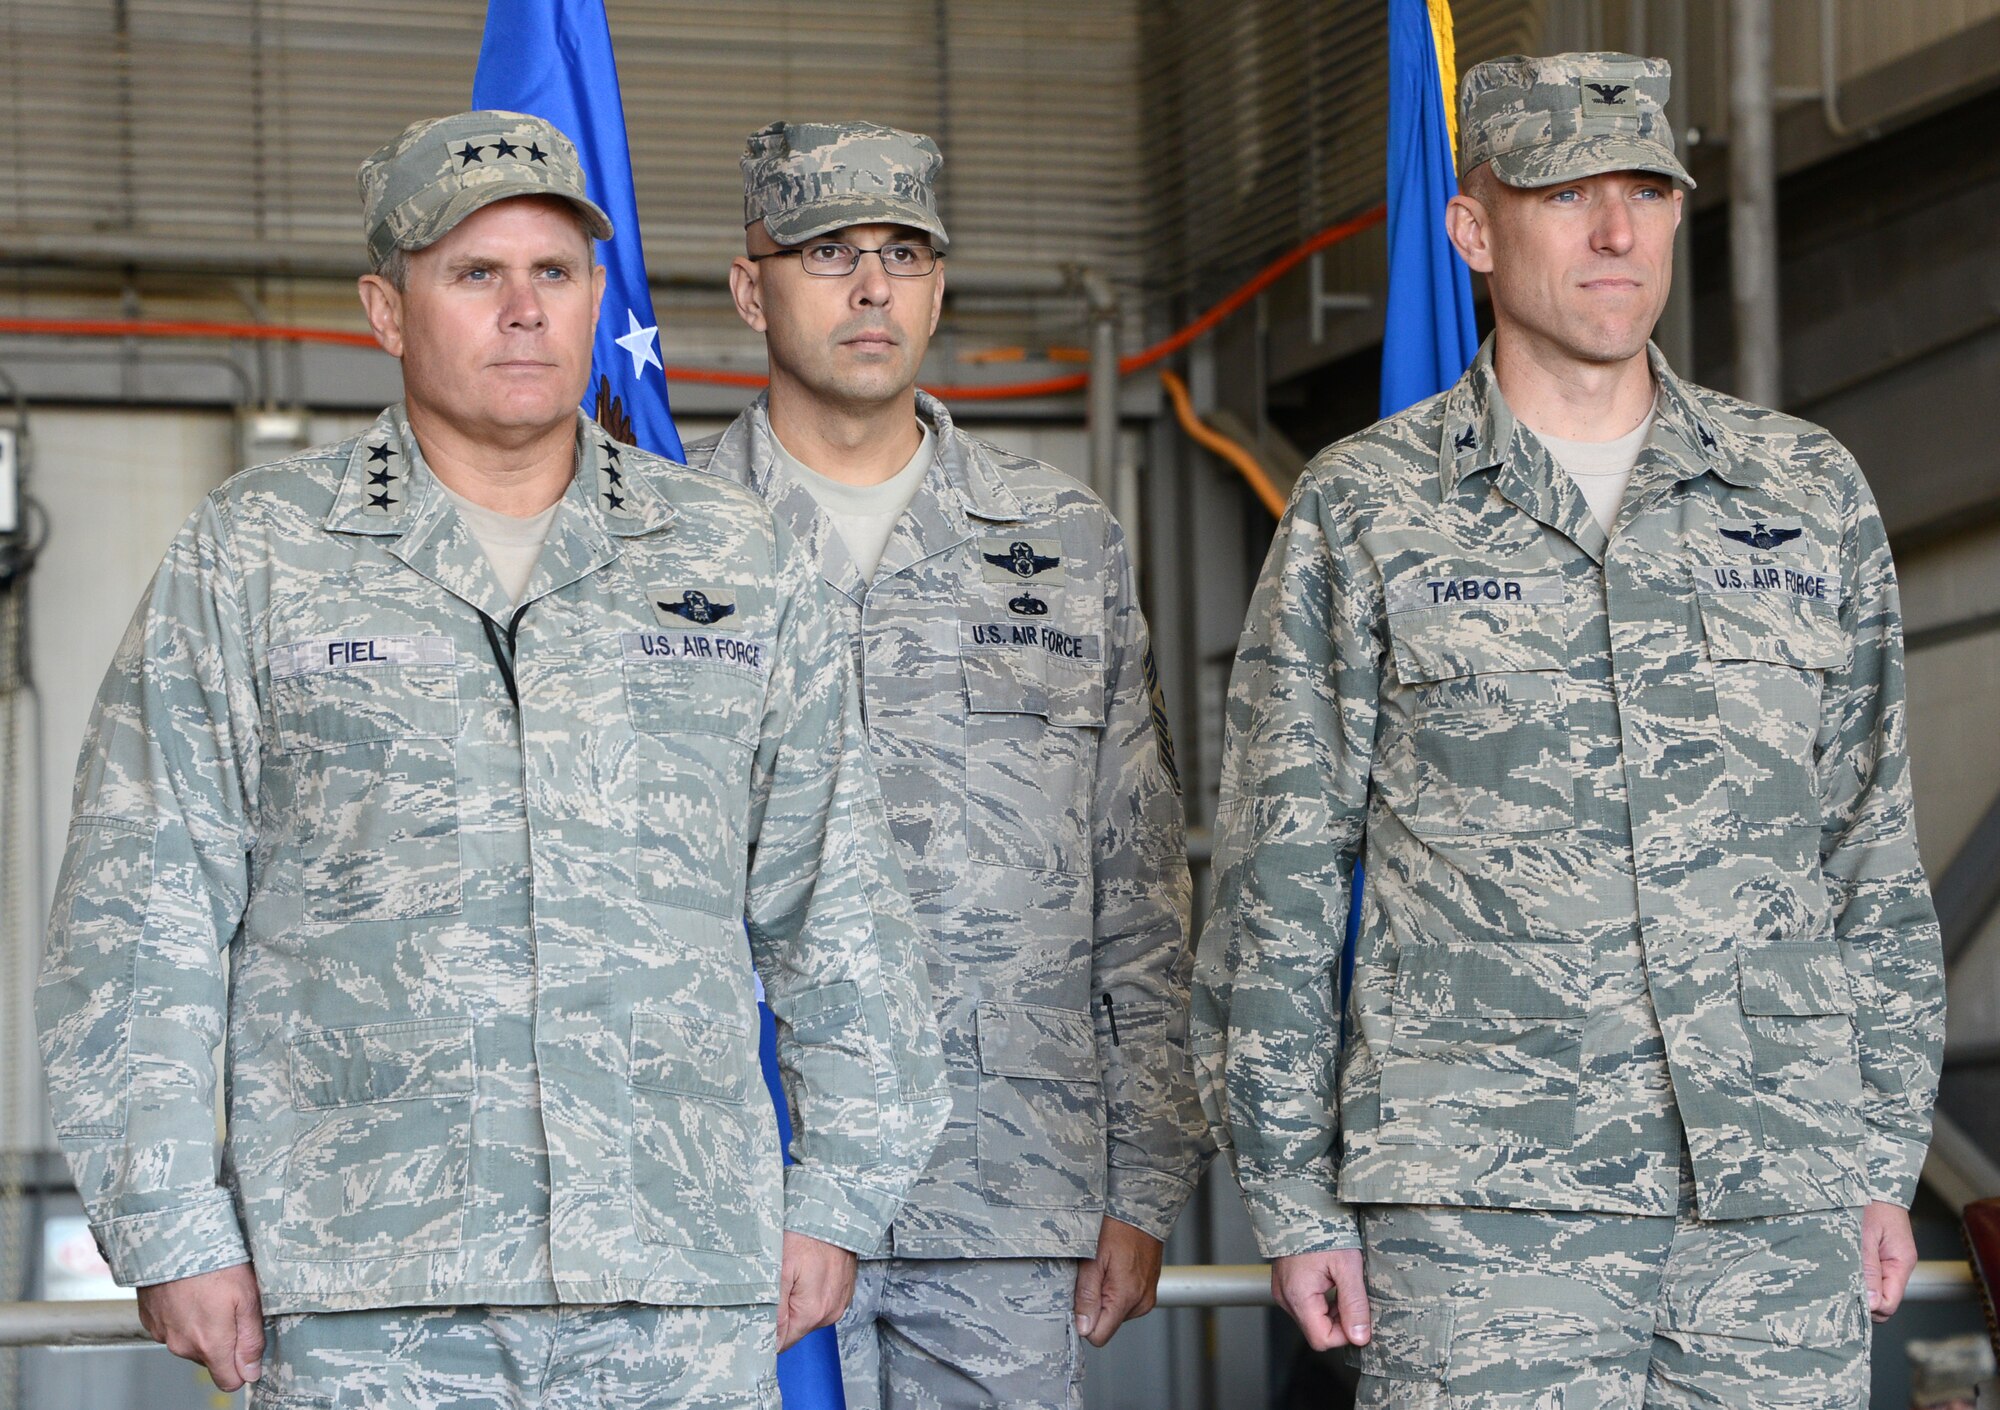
553, 59
1429, 335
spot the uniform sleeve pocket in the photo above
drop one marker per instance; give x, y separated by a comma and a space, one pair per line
103, 897
834, 1058
1788, 980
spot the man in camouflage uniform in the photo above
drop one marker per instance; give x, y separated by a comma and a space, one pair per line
468, 838
1647, 1004
1008, 691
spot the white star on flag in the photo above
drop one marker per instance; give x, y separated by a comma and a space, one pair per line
639, 343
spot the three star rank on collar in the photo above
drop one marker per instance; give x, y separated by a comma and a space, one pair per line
386, 473
611, 489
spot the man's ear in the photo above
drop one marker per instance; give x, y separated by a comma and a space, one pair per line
746, 291
598, 275
1470, 228
383, 304
937, 299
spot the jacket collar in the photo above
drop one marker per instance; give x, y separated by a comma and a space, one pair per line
389, 490
963, 485
1479, 431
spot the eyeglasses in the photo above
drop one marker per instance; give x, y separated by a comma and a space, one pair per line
831, 259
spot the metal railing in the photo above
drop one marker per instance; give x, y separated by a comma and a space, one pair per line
116, 1322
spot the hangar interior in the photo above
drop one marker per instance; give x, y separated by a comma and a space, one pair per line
1114, 170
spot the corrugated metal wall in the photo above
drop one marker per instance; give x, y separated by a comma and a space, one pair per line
1265, 120
226, 119
1174, 143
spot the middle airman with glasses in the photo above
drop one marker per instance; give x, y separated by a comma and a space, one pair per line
1012, 716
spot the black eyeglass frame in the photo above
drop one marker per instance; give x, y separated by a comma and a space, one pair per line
859, 250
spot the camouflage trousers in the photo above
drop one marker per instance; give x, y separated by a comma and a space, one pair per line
1510, 1309
618, 1357
944, 1333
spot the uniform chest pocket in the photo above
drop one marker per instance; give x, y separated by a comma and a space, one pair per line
1032, 727
682, 792
1769, 654
1482, 695
373, 757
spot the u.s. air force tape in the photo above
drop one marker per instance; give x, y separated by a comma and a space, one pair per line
1473, 590
672, 648
1028, 636
346, 653
1763, 580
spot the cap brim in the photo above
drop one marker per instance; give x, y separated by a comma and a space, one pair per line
1578, 157
595, 222
801, 223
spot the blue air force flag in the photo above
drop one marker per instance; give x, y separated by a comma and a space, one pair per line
1428, 336
553, 58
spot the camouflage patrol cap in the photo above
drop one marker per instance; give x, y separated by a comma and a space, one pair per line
441, 170
805, 178
1545, 120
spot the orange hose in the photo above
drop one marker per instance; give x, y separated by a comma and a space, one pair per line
1204, 434
990, 391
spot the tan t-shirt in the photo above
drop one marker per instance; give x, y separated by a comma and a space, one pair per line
1602, 469
865, 515
512, 544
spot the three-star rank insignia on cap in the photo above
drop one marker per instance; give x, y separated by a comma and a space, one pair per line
614, 496
691, 606
382, 487
1024, 560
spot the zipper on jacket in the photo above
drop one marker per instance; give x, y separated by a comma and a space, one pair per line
1112, 1014
503, 650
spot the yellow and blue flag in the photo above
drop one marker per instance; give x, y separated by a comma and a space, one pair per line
553, 59
1429, 336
